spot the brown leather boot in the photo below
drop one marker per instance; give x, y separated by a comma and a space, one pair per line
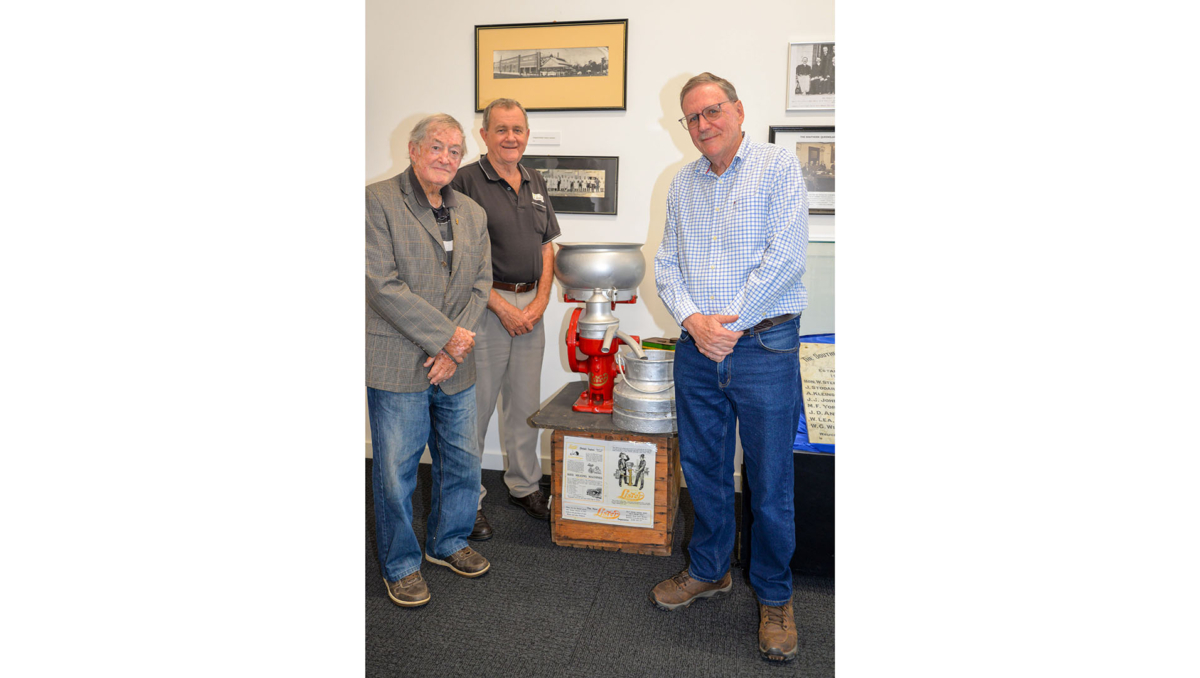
777, 632
682, 590
410, 591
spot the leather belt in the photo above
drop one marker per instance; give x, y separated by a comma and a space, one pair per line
772, 322
514, 287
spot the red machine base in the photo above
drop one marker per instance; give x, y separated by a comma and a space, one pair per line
584, 404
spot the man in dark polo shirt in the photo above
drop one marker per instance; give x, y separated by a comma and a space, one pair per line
510, 337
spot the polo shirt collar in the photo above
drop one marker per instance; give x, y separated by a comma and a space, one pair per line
490, 172
448, 199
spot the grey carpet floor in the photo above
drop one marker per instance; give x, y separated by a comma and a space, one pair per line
547, 610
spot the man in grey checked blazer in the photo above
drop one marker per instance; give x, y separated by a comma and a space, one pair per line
428, 276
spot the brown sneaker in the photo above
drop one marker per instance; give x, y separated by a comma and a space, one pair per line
483, 530
410, 591
464, 561
777, 632
682, 590
534, 504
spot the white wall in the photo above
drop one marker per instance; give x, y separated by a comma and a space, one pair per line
420, 60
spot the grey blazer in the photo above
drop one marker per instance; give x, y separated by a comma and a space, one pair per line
414, 300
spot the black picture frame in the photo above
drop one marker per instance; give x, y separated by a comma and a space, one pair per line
581, 169
815, 147
555, 66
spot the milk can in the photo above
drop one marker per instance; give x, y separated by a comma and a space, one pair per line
644, 401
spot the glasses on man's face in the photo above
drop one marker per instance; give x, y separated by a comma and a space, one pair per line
711, 114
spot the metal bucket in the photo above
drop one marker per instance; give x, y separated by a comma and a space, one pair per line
644, 401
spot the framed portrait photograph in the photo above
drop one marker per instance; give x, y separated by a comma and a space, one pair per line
578, 184
810, 76
815, 148
561, 66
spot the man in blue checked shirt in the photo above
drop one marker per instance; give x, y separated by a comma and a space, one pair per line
728, 269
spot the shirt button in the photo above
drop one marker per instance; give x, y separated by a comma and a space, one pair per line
443, 264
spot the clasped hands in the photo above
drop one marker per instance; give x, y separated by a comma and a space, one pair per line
448, 359
519, 321
712, 340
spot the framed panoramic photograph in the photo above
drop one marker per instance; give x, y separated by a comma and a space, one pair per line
815, 148
578, 184
561, 66
810, 76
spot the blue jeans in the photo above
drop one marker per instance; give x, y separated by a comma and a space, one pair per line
757, 385
401, 425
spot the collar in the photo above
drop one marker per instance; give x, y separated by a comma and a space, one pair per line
448, 199
742, 151
490, 172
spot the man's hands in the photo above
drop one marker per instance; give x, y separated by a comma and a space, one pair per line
460, 344
448, 359
715, 342
443, 367
510, 316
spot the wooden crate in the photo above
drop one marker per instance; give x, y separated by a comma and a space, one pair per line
654, 541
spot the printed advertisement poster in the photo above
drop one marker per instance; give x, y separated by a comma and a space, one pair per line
608, 481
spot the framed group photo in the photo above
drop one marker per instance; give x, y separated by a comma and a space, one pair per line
815, 148
810, 76
578, 184
561, 66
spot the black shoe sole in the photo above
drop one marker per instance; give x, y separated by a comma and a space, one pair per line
472, 537
780, 658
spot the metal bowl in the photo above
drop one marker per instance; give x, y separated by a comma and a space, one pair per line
604, 265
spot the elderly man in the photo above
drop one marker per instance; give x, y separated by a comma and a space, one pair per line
429, 271
511, 336
728, 270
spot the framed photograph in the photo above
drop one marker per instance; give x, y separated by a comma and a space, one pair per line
815, 148
578, 184
810, 76
561, 66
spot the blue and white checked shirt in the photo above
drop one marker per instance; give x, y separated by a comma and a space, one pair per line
735, 244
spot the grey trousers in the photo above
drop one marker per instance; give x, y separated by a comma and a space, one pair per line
511, 366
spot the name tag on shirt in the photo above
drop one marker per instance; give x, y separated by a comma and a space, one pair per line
449, 245
538, 197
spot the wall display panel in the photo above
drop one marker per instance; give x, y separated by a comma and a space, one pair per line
562, 66
578, 184
810, 76
815, 148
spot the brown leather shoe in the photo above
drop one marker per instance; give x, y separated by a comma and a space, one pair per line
682, 590
464, 561
534, 504
482, 531
410, 591
777, 632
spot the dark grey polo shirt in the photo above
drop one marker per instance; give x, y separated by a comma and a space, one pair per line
519, 222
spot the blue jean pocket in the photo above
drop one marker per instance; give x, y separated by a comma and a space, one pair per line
782, 339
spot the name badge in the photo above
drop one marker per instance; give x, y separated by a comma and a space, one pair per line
449, 245
538, 197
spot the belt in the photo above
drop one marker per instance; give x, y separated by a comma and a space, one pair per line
772, 322
514, 287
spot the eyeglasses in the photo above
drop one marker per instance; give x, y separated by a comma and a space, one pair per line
711, 114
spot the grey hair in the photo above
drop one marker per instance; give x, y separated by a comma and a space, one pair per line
707, 78
418, 134
502, 103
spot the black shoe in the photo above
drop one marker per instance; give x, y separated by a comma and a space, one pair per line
482, 531
534, 504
